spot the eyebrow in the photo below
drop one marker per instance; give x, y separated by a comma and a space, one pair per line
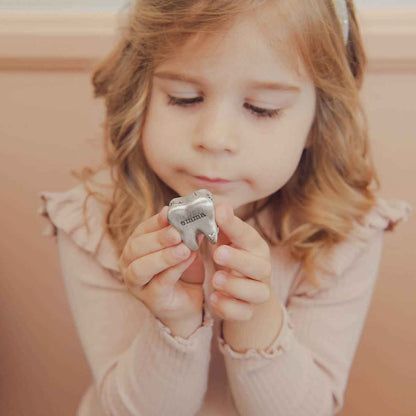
253, 84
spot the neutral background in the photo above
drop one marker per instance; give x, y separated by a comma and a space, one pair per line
114, 5
50, 123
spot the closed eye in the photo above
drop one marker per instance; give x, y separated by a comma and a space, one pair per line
256, 111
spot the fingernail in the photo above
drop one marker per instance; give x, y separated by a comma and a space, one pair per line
221, 255
181, 251
162, 211
223, 213
219, 279
173, 235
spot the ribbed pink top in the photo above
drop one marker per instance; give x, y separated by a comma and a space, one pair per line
140, 369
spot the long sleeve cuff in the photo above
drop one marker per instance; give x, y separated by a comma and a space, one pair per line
249, 358
263, 381
156, 362
200, 338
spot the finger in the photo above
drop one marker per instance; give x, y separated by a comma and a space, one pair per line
232, 309
148, 243
135, 247
244, 262
169, 277
241, 234
154, 223
142, 270
242, 288
163, 282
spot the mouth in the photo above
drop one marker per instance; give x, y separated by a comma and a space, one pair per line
212, 180
213, 184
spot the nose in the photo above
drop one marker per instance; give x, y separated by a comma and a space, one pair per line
216, 131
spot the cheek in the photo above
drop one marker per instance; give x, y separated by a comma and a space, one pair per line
156, 136
275, 167
280, 154
164, 129
147, 141
152, 146
156, 153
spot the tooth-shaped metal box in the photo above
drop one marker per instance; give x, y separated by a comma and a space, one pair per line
194, 214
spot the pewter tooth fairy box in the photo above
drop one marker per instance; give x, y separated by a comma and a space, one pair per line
194, 214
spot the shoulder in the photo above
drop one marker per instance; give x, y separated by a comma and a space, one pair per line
364, 244
65, 210
384, 216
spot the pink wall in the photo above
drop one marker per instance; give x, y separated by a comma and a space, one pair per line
50, 124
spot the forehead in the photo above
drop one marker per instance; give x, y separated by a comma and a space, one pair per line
255, 42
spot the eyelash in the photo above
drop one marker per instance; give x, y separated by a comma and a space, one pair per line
257, 112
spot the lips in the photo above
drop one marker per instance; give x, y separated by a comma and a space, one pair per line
219, 180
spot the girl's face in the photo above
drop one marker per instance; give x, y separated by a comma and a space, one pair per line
231, 128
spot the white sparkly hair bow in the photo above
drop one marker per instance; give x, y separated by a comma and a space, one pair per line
342, 13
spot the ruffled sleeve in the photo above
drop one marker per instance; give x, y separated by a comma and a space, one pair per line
384, 216
305, 370
65, 210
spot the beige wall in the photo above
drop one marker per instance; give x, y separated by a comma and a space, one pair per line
49, 124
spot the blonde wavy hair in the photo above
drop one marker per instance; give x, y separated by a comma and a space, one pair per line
331, 187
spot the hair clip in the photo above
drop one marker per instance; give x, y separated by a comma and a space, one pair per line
342, 13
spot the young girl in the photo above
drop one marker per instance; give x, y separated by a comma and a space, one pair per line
265, 96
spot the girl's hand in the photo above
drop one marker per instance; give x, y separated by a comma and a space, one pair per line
247, 270
152, 268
